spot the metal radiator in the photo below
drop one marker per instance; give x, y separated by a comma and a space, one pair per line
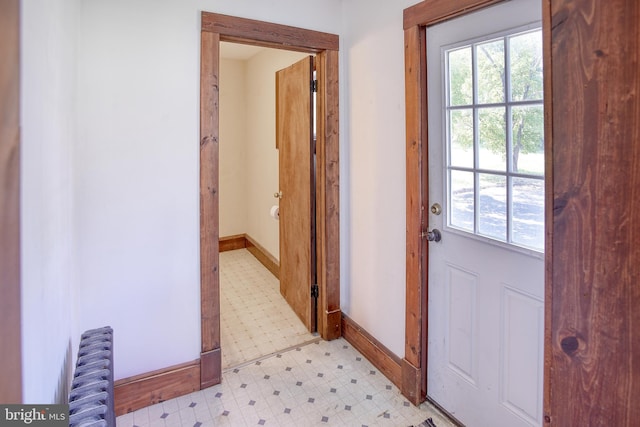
91, 396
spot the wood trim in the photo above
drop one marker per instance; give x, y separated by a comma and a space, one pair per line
10, 331
416, 200
262, 255
209, 181
217, 27
232, 243
548, 250
411, 385
417, 197
266, 34
379, 355
154, 387
594, 271
328, 196
210, 373
430, 12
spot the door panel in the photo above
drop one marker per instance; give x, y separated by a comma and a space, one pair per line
294, 137
485, 316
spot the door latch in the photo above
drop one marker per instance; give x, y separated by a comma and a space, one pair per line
432, 236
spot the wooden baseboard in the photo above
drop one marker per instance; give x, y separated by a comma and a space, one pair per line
154, 387
380, 356
268, 260
231, 243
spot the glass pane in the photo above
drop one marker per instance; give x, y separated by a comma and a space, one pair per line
493, 139
461, 143
527, 139
460, 77
462, 199
492, 208
528, 212
490, 69
525, 52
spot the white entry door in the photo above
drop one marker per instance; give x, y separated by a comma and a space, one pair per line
486, 184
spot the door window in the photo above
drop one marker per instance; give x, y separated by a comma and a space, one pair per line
495, 138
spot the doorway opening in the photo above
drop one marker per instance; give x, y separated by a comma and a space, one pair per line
256, 320
216, 28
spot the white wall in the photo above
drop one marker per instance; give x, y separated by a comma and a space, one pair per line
262, 156
248, 155
233, 151
48, 107
373, 160
136, 166
131, 202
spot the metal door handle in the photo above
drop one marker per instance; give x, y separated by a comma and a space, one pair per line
432, 236
278, 195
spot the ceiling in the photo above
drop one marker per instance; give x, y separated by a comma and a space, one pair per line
238, 51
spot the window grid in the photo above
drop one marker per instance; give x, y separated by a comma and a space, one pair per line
508, 104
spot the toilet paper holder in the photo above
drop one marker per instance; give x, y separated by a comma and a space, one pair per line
275, 212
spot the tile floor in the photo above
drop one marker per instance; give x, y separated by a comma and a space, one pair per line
277, 374
255, 320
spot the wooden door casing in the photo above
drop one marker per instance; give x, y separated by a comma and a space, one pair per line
214, 29
10, 331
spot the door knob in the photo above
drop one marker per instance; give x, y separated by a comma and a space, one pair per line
278, 195
432, 236
436, 209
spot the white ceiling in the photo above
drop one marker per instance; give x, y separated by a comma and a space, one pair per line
238, 51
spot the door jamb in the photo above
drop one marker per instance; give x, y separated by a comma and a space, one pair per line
214, 29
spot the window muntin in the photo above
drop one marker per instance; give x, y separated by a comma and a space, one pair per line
495, 138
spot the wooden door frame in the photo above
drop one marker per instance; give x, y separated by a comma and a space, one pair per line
416, 19
10, 330
214, 29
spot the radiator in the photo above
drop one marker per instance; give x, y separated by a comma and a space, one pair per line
91, 395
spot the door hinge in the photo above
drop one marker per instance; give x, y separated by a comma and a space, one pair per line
315, 292
314, 85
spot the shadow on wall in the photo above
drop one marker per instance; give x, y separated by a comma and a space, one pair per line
61, 395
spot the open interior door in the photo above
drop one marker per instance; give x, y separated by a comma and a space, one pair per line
294, 139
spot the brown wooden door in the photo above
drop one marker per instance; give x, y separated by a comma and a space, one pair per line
294, 138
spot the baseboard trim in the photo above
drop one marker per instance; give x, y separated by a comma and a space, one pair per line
380, 356
262, 255
242, 241
154, 387
231, 243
